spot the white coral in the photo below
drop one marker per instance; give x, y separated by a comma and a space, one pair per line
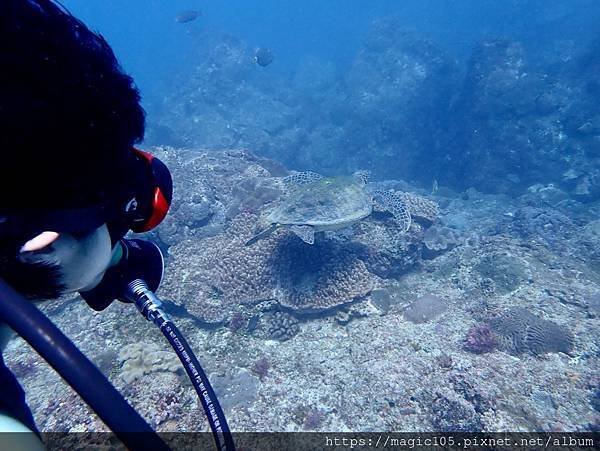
138, 359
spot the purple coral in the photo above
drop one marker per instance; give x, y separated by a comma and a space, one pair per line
313, 420
480, 339
237, 322
261, 367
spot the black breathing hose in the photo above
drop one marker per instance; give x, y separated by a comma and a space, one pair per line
150, 307
77, 370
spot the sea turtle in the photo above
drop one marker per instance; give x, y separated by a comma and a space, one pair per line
314, 203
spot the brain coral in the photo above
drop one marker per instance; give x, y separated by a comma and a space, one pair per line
520, 331
213, 277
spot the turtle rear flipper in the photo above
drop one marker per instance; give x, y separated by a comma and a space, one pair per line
262, 234
393, 202
305, 232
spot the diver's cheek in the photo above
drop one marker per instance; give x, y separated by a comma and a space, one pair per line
95, 258
116, 255
82, 260
92, 283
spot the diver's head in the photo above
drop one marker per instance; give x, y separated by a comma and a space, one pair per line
68, 113
71, 182
45, 252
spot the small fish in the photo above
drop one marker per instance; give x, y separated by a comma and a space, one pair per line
263, 57
187, 16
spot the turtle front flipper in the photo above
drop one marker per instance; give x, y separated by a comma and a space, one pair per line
262, 234
305, 232
393, 202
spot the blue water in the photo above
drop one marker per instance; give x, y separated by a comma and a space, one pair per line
151, 45
479, 119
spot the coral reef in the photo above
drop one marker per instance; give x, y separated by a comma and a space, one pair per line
480, 339
440, 238
222, 275
390, 99
167, 406
518, 127
547, 225
249, 113
516, 118
500, 84
397, 87
139, 359
588, 244
236, 388
452, 413
421, 209
212, 277
237, 322
261, 367
313, 420
381, 299
227, 274
419, 375
425, 308
279, 326
507, 272
212, 187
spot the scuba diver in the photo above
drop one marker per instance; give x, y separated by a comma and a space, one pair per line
73, 186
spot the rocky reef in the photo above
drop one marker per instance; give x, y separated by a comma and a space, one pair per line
388, 103
218, 277
511, 116
493, 329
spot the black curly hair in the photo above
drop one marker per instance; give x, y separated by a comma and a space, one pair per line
68, 114
68, 119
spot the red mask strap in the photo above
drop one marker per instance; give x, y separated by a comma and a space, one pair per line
162, 186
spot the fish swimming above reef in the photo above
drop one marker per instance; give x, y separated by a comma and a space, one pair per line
263, 57
187, 16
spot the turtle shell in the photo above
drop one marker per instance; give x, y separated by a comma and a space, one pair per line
325, 203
